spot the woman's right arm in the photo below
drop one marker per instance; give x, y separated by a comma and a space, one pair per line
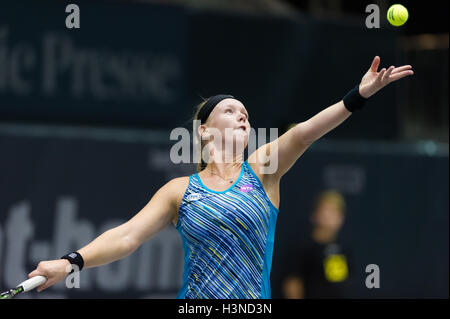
120, 241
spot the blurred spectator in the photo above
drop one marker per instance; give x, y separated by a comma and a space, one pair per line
322, 268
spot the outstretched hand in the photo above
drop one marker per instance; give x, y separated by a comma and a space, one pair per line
373, 81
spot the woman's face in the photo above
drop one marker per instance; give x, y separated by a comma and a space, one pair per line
229, 119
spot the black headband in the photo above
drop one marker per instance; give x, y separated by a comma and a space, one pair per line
209, 106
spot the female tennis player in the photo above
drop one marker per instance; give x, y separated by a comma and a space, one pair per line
226, 213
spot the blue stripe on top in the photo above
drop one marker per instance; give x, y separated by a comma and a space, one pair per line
227, 239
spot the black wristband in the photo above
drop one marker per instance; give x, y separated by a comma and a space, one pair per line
353, 101
75, 259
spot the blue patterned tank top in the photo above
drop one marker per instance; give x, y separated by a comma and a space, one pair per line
227, 239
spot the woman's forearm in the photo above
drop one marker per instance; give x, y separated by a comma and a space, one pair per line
323, 122
110, 246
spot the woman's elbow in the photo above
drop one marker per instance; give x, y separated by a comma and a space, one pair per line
130, 244
129, 241
305, 134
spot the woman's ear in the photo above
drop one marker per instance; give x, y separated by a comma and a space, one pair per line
200, 130
203, 132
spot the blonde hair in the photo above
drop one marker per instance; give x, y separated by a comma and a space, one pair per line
197, 138
331, 196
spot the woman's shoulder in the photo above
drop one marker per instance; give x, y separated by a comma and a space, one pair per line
173, 190
178, 184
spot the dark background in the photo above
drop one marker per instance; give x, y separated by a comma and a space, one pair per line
425, 17
86, 115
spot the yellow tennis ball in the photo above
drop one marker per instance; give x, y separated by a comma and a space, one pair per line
397, 15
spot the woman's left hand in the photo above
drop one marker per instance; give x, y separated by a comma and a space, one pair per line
374, 81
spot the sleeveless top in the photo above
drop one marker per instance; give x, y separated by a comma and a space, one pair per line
227, 239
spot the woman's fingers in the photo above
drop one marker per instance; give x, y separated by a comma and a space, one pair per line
401, 69
35, 272
375, 64
45, 285
387, 74
39, 272
53, 270
381, 74
399, 75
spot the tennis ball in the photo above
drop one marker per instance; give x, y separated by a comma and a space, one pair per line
397, 15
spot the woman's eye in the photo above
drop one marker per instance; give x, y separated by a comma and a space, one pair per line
229, 111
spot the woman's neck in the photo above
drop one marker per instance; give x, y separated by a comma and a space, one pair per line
224, 164
224, 170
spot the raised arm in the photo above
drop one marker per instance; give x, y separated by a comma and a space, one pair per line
120, 241
288, 148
